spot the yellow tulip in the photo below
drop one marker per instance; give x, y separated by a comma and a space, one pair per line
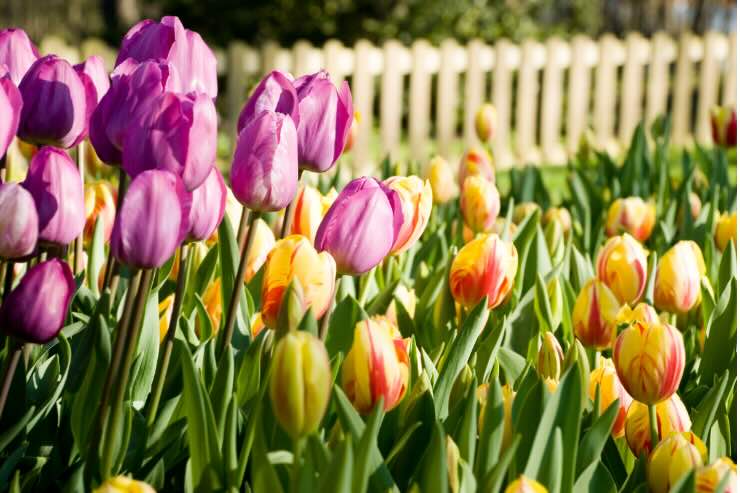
709, 477
595, 314
726, 230
632, 215
310, 208
550, 357
622, 266
407, 297
124, 484
165, 315
213, 304
416, 207
678, 280
561, 215
100, 203
522, 210
479, 203
476, 162
525, 485
673, 457
442, 180
485, 122
610, 390
640, 313
672, 417
353, 129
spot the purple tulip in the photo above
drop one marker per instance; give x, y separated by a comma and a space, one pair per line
93, 74
169, 40
152, 221
275, 92
325, 121
36, 309
207, 207
11, 104
19, 222
361, 226
133, 85
56, 186
264, 173
17, 53
177, 133
56, 106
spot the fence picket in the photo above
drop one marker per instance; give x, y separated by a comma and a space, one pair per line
662, 53
423, 60
729, 93
558, 57
452, 62
584, 57
606, 92
715, 50
682, 90
507, 57
633, 75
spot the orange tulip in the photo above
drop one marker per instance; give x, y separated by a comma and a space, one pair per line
214, 308
416, 208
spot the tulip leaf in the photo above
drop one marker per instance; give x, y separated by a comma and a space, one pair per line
54, 378
523, 237
492, 433
727, 267
96, 257
467, 428
380, 303
552, 467
249, 369
221, 391
147, 352
595, 477
542, 305
401, 443
203, 276
342, 326
432, 471
338, 478
652, 272
704, 416
592, 443
512, 364
721, 330
495, 477
405, 323
264, 476
686, 484
365, 466
229, 256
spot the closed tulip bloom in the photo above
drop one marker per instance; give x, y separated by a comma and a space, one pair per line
264, 241
94, 76
724, 126
300, 383
480, 203
124, 484
476, 162
726, 230
207, 207
594, 315
325, 120
19, 222
640, 313
11, 104
524, 209
17, 53
376, 366
153, 220
170, 41
709, 477
525, 485
56, 186
100, 204
678, 280
610, 389
673, 457
56, 105
672, 417
264, 173
36, 309
559, 215
416, 207
361, 226
442, 180
550, 357
622, 266
276, 93
650, 360
485, 267
485, 122
631, 215
310, 208
257, 325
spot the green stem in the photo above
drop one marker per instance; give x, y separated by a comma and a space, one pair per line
14, 356
653, 425
364, 283
110, 265
327, 316
299, 444
289, 211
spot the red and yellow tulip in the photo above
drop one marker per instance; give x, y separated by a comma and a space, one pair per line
595, 314
416, 207
672, 417
622, 266
678, 280
442, 180
100, 203
525, 485
480, 203
310, 208
485, 122
124, 484
673, 457
631, 215
709, 477
476, 162
610, 389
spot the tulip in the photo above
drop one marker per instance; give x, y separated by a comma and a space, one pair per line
509, 395
479, 203
300, 383
550, 357
100, 204
485, 122
622, 266
257, 325
353, 129
165, 315
672, 416
524, 209
610, 390
152, 221
325, 120
264, 241
94, 76
361, 226
724, 126
275, 93
674, 456
709, 477
207, 207
56, 186
726, 230
36, 309
694, 206
124, 484
499, 227
525, 485
264, 173
442, 180
294, 258
377, 366
169, 40
554, 239
594, 315
641, 313
212, 304
559, 215
19, 222
11, 105
310, 208
416, 207
631, 215
485, 267
407, 297
17, 53
678, 280
476, 162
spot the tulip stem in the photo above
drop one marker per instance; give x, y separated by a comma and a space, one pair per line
236, 292
289, 211
653, 425
164, 361
110, 265
15, 349
299, 444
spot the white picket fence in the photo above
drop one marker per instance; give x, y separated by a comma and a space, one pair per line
546, 94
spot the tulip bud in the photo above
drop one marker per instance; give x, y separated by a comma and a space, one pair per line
407, 297
353, 129
641, 313
554, 240
262, 245
100, 204
292, 308
19, 222
416, 206
275, 93
525, 485
377, 366
476, 162
622, 266
586, 146
724, 126
485, 122
325, 120
11, 105
264, 173
361, 226
124, 484
550, 357
485, 267
207, 207
300, 384
610, 390
555, 300
672, 416
479, 203
442, 180
678, 280
709, 477
453, 464
17, 53
36, 309
522, 210
93, 74
631, 215
295, 259
310, 208
560, 215
462, 384
594, 315
56, 186
153, 220
673, 457
650, 360
726, 230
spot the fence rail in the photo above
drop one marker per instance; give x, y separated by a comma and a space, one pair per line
546, 93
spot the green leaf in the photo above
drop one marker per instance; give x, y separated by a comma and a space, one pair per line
342, 326
721, 330
264, 476
467, 429
221, 391
704, 416
495, 477
687, 484
365, 466
511, 363
381, 301
592, 443
96, 257
727, 267
552, 468
433, 465
492, 434
147, 352
338, 478
229, 256
595, 478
